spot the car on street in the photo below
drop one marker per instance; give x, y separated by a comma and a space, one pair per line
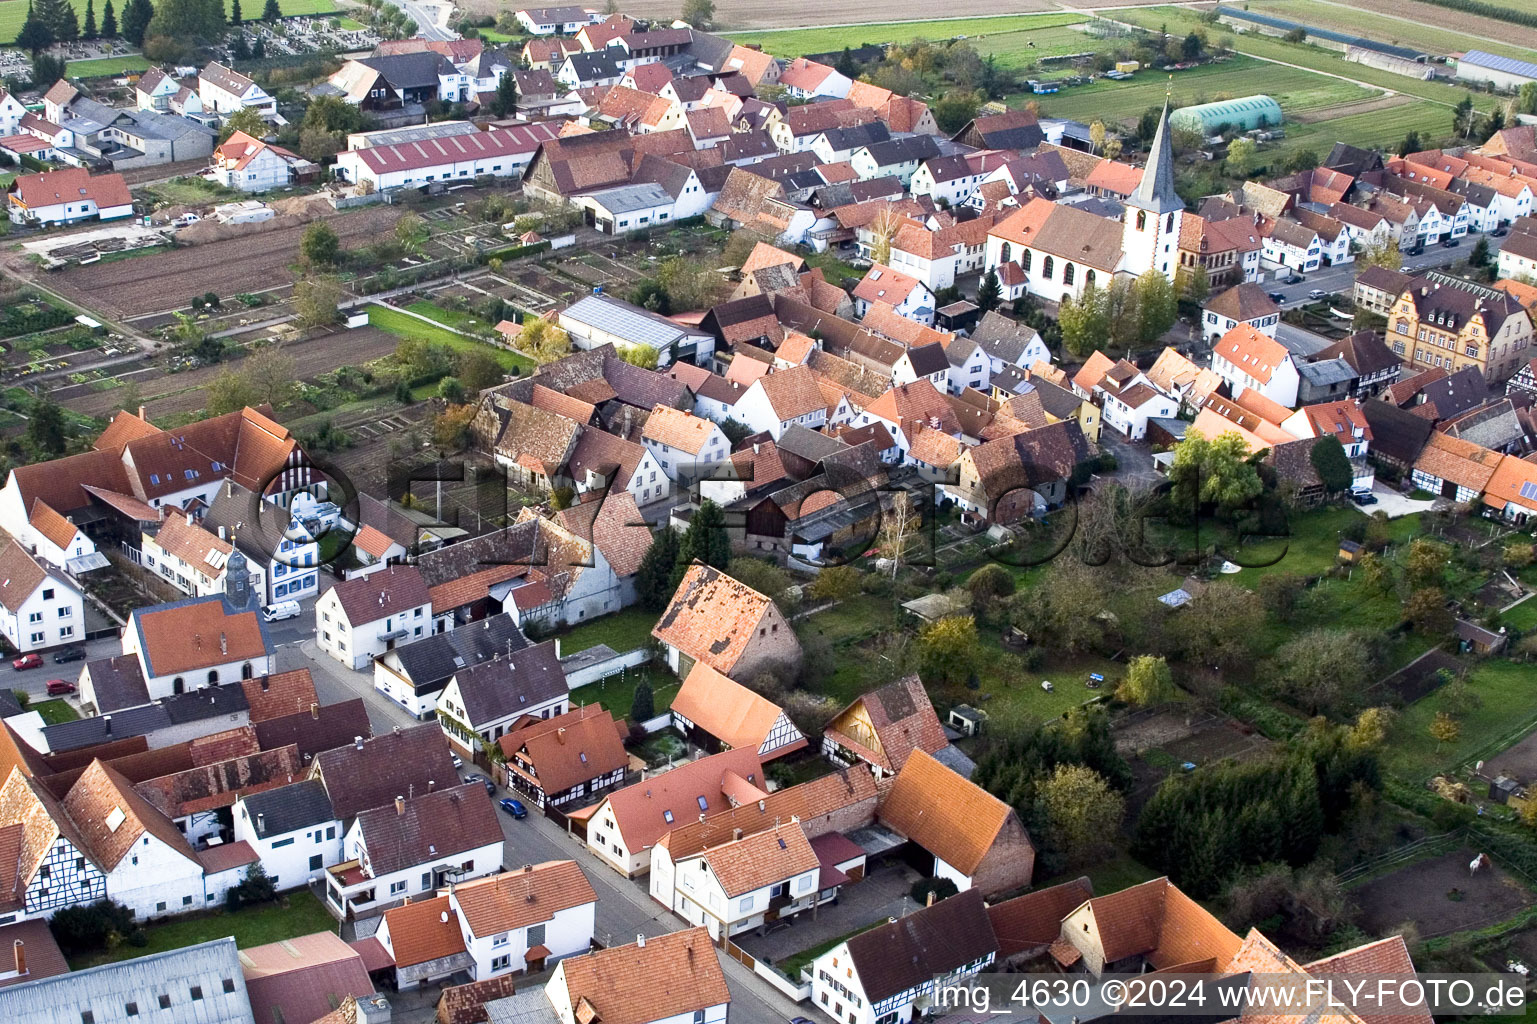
1417, 250
477, 777
513, 807
69, 654
1450, 243
1293, 279
26, 661
59, 687
1317, 293
1277, 297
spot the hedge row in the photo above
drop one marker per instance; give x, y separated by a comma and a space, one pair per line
513, 252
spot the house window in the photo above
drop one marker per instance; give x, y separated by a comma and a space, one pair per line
1141, 220
197, 992
229, 984
165, 1001
1048, 267
535, 935
1069, 272
397, 887
744, 905
501, 963
132, 1009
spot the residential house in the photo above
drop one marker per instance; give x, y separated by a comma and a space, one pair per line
748, 882
1180, 379
1512, 490
1020, 475
778, 401
665, 979
1288, 245
223, 90
295, 832
1152, 926
884, 973
579, 70
910, 297
40, 607
524, 920
196, 642
895, 158
624, 826
1377, 288
192, 559
369, 771
1517, 257
1028, 926
1452, 468
415, 845
685, 445
424, 941
936, 258
909, 410
928, 363
361, 619
570, 757
805, 79
1227, 250
1247, 359
284, 547
883, 727
1445, 322
414, 674
251, 165
1017, 129
1345, 422
975, 839
714, 713
726, 625
1365, 229
547, 21
304, 976
1373, 363
1242, 304
68, 196
1008, 343
1335, 244
482, 702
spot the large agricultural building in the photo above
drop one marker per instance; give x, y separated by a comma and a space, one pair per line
1242, 114
1388, 62
1268, 24
1504, 72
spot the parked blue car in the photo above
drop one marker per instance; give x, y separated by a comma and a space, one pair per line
513, 807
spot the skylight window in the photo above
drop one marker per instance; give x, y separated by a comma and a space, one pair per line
115, 818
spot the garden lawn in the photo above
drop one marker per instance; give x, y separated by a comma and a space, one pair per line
55, 711
1523, 616
1504, 716
1313, 543
795, 42
405, 326
101, 67
617, 693
291, 8
1014, 52
252, 926
623, 631
451, 317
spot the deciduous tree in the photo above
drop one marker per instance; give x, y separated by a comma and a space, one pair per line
1444, 729
1215, 472
316, 298
1083, 812
1240, 158
835, 583
542, 340
947, 648
451, 428
1085, 322
273, 376
699, 13
228, 392
1331, 464
319, 246
1148, 681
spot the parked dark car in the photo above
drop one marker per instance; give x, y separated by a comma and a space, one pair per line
1294, 279
477, 777
1450, 243
1418, 250
59, 687
1363, 498
33, 660
69, 654
1277, 297
513, 807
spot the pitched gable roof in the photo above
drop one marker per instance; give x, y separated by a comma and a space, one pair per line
928, 943
668, 976
946, 814
111, 817
712, 617
647, 810
729, 711
903, 720
428, 827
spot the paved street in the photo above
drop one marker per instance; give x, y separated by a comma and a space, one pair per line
1341, 277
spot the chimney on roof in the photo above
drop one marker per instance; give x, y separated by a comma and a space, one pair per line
736, 834
106, 721
400, 805
528, 869
222, 534
20, 948
314, 710
560, 735
640, 940
142, 415
432, 784
357, 741
266, 683
261, 822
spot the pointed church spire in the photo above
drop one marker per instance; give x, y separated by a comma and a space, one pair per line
1156, 192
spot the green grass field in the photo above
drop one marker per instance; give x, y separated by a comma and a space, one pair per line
1179, 21
623, 631
296, 913
1503, 716
102, 67
1387, 28
794, 42
1295, 89
406, 326
1014, 53
617, 693
55, 711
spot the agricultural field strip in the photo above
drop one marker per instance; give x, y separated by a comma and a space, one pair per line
1390, 28
792, 42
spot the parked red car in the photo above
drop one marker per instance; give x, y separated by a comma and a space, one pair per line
33, 660
58, 687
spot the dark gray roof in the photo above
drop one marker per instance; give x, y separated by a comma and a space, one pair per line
516, 545
256, 525
9, 705
709, 51
276, 812
1001, 338
417, 70
858, 135
205, 703
430, 662
927, 359
746, 145
393, 764
876, 188
811, 445
85, 732
325, 728
1327, 372
1155, 193
118, 683
1397, 433
430, 827
507, 685
898, 151
1458, 393
915, 949
593, 66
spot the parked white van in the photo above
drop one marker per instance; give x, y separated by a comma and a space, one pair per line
281, 610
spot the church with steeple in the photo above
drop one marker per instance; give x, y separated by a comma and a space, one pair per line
1059, 250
